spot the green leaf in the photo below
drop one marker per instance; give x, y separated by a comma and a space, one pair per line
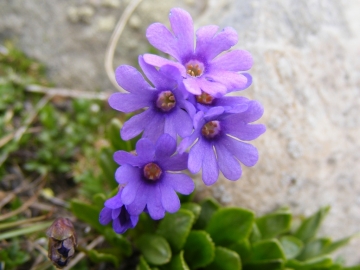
355, 267
291, 245
208, 207
319, 262
193, 207
199, 249
265, 265
255, 234
337, 244
225, 259
267, 250
243, 248
118, 240
98, 257
26, 230
155, 249
310, 225
314, 248
142, 264
275, 223
99, 200
87, 213
176, 227
177, 262
113, 135
230, 225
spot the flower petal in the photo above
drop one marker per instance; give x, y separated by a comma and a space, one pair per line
145, 148
130, 102
131, 79
158, 78
123, 157
246, 153
165, 146
182, 122
169, 199
162, 39
175, 163
242, 130
228, 165
114, 202
115, 213
180, 182
183, 28
130, 190
237, 60
210, 169
253, 113
221, 42
169, 126
232, 104
204, 36
154, 205
126, 173
136, 124
138, 205
213, 88
105, 216
159, 61
196, 156
155, 127
192, 86
231, 80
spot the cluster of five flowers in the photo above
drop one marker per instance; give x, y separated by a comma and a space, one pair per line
188, 99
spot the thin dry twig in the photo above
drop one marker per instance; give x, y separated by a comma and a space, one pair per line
63, 92
12, 194
97, 241
25, 205
21, 131
110, 50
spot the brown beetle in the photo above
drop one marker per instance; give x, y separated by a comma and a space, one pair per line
62, 242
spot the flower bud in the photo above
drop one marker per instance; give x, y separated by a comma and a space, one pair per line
62, 242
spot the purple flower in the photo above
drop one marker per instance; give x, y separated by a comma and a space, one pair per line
200, 67
150, 177
167, 110
116, 212
220, 144
231, 104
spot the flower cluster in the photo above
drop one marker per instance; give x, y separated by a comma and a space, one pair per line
187, 98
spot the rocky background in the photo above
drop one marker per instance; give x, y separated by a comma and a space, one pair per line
306, 73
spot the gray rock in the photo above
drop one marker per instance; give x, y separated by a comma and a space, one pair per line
306, 73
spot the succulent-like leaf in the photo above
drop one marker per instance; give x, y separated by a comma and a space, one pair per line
316, 263
155, 249
230, 225
177, 262
274, 223
310, 225
193, 207
314, 248
291, 245
266, 250
98, 257
243, 248
265, 265
143, 265
175, 228
199, 249
208, 207
225, 259
87, 213
118, 241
